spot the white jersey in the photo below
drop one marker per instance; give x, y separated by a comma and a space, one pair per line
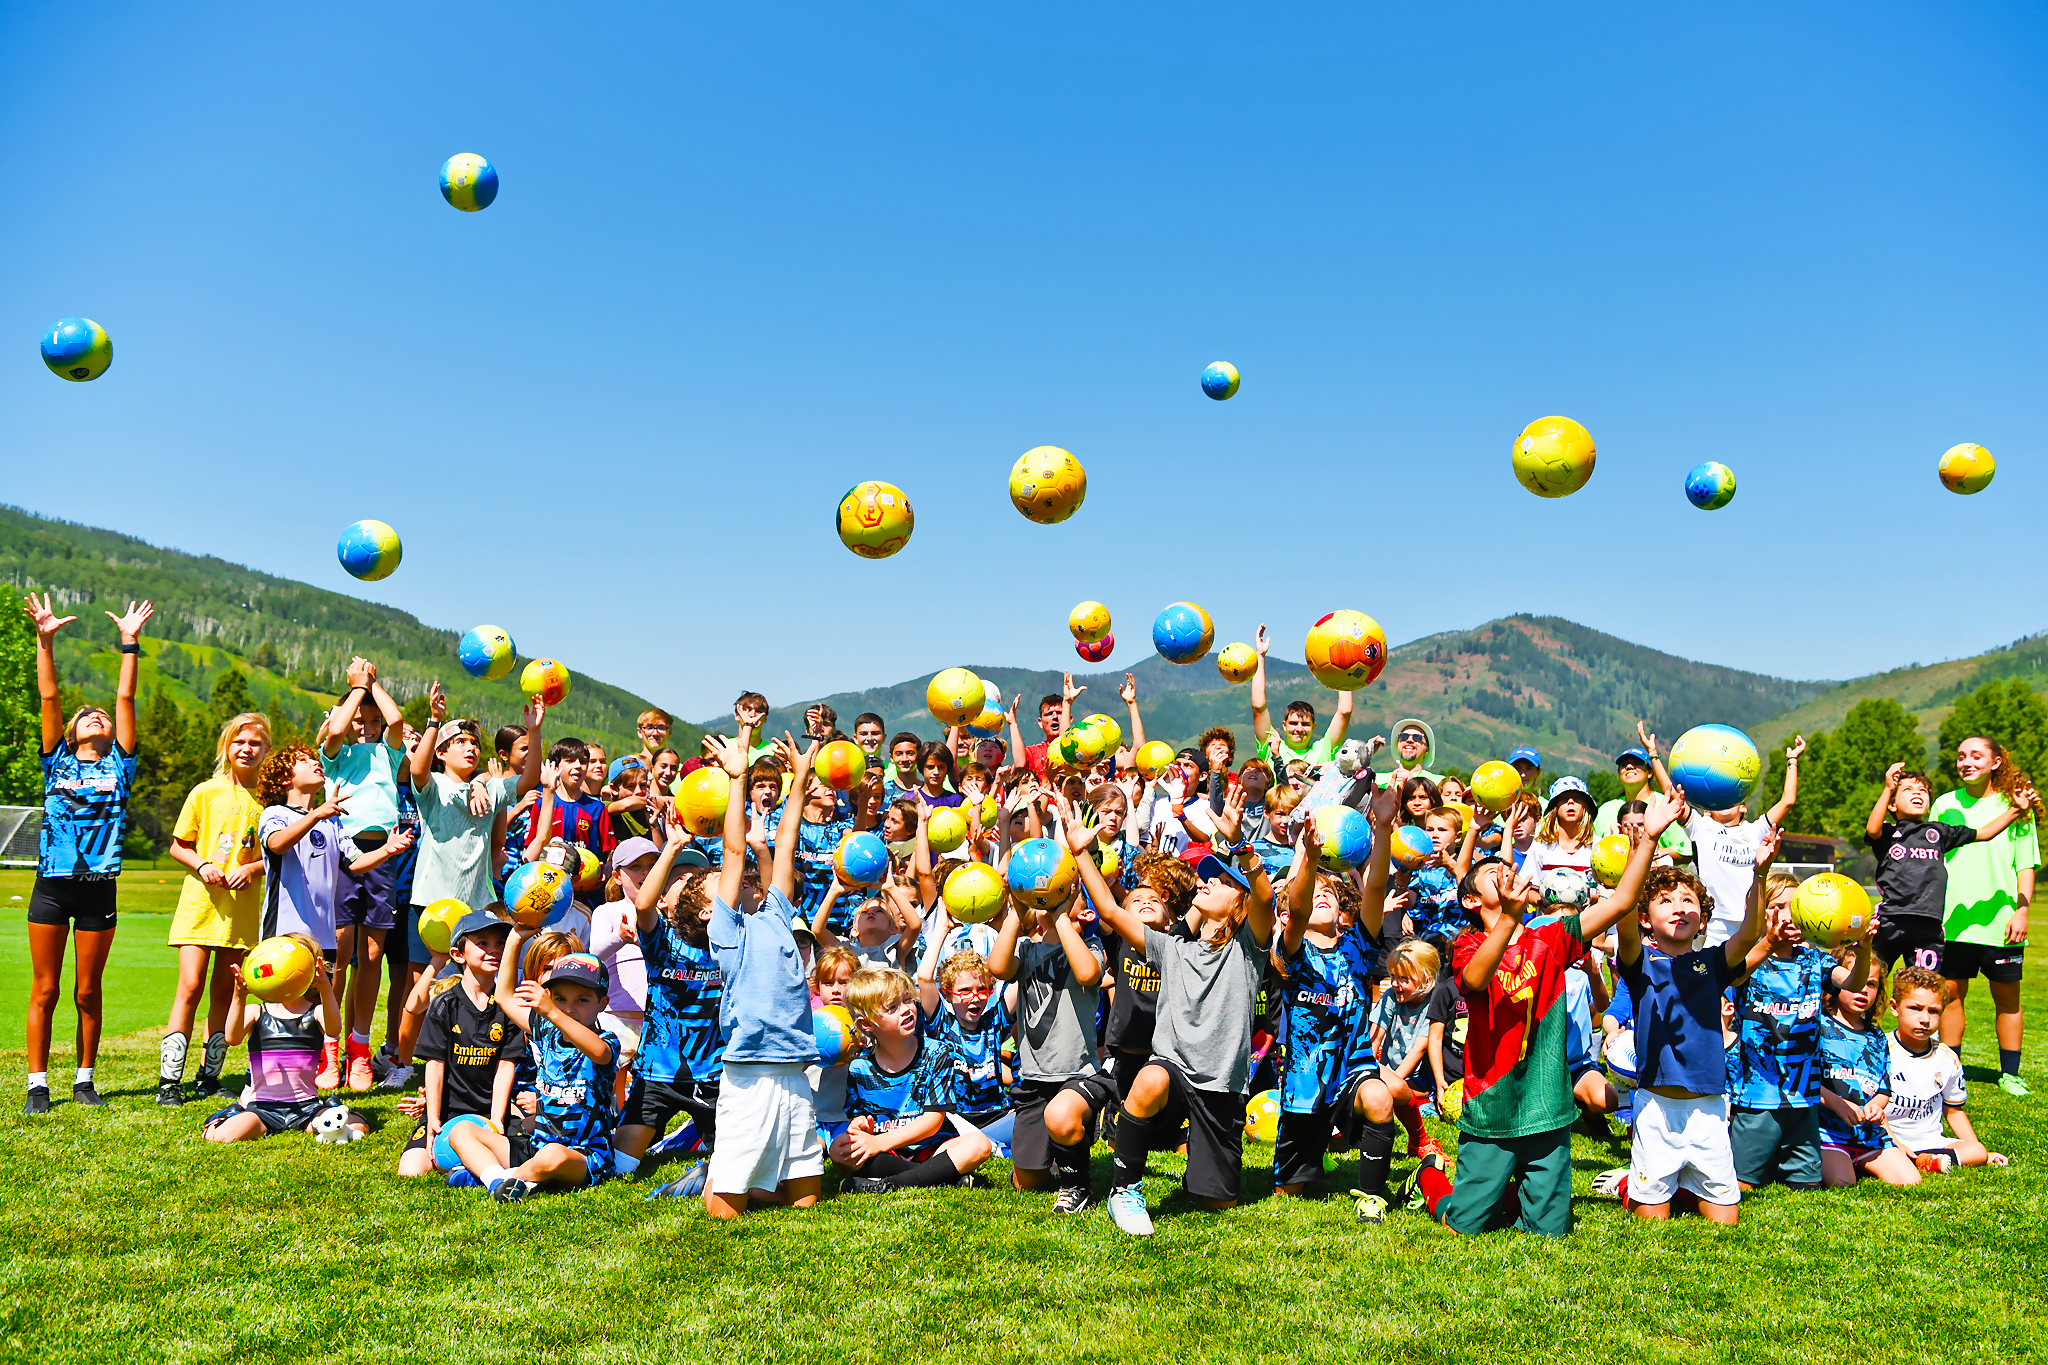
1922, 1084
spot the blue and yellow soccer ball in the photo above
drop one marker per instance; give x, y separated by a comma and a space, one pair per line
1182, 633
1219, 381
534, 892
77, 349
1710, 486
486, 652
1966, 468
990, 723
837, 1038
1041, 873
1262, 1117
1716, 766
1411, 847
1047, 484
1553, 457
861, 859
369, 550
469, 182
874, 519
1343, 837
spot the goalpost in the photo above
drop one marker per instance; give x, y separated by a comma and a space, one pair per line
21, 828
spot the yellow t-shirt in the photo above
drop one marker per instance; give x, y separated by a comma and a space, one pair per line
219, 820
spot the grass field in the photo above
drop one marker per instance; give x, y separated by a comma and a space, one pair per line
128, 1238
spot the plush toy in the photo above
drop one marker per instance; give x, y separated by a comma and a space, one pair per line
331, 1125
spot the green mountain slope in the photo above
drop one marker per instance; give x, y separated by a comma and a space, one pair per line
1928, 691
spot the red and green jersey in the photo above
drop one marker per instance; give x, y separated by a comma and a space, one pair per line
1517, 1069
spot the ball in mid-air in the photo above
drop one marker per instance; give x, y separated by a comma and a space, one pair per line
1710, 485
1411, 847
1219, 381
841, 765
837, 1038
1343, 837
279, 969
1967, 468
1553, 457
700, 799
955, 696
945, 829
1237, 662
974, 892
875, 520
77, 349
1182, 633
1152, 757
1095, 651
1345, 650
469, 182
1610, 859
438, 921
1831, 910
1112, 734
1079, 746
1716, 766
486, 652
989, 724
861, 859
1048, 484
369, 550
546, 679
1495, 784
1262, 1117
1089, 621
535, 891
1041, 873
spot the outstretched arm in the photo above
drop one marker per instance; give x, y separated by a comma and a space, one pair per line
732, 756
1129, 692
130, 626
1122, 922
1372, 908
1874, 826
648, 901
334, 733
422, 766
1340, 724
1259, 717
47, 626
792, 827
1791, 793
1752, 927
529, 776
1301, 891
1620, 903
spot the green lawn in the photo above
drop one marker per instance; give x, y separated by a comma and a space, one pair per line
128, 1238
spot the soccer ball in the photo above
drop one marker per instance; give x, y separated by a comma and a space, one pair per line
974, 893
1495, 785
546, 679
875, 520
1610, 859
1182, 633
1262, 1116
1108, 860
945, 829
861, 859
1089, 621
837, 1037
1095, 651
469, 182
955, 696
369, 550
534, 892
1112, 733
1553, 457
1716, 766
700, 799
1831, 910
589, 870
1219, 381
1152, 758
1343, 837
989, 724
79, 349
1346, 650
1966, 468
279, 969
1710, 486
486, 652
1042, 873
438, 921
1080, 746
1411, 846
1237, 662
841, 765
1048, 484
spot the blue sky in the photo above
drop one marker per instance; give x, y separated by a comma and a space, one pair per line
743, 258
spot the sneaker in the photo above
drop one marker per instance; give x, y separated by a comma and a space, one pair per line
1073, 1199
462, 1178
1428, 1147
1410, 1193
206, 1086
865, 1184
683, 1139
1612, 1184
1934, 1163
38, 1101
359, 1079
511, 1190
169, 1093
1371, 1208
382, 1062
2013, 1085
83, 1093
396, 1076
329, 1076
1127, 1210
688, 1185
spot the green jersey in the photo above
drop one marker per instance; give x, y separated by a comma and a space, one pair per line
1984, 877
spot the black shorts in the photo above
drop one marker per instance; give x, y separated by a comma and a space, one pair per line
1305, 1138
651, 1104
84, 903
286, 1116
1030, 1144
2000, 962
1215, 1120
1916, 938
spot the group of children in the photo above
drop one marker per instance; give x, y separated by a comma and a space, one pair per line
681, 1002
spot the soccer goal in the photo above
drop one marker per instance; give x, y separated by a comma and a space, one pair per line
20, 829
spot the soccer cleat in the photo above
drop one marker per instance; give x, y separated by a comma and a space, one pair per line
1410, 1192
1429, 1147
865, 1184
683, 1139
2013, 1085
382, 1063
359, 1079
1612, 1184
1073, 1199
207, 1086
38, 1101
1934, 1163
688, 1185
462, 1178
329, 1076
397, 1077
1127, 1210
1371, 1208
83, 1093
169, 1093
511, 1189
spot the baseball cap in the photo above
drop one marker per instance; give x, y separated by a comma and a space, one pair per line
454, 730
620, 765
475, 922
1567, 786
580, 968
1213, 866
799, 925
631, 850
1526, 753
691, 857
1626, 754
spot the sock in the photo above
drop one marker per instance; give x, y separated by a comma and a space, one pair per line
39, 1080
1133, 1145
2009, 1060
358, 1042
624, 1165
493, 1174
1410, 1115
1375, 1157
1435, 1185
1621, 1192
215, 1056
170, 1058
84, 1076
1069, 1165
939, 1170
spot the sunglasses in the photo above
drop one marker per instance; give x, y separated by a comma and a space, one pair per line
1412, 737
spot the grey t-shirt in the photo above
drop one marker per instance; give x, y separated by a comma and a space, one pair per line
1205, 1004
455, 846
1055, 1015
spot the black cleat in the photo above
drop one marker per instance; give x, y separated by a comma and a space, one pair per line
866, 1184
38, 1101
206, 1087
169, 1094
83, 1093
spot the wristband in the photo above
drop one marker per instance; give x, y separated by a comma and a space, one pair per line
131, 646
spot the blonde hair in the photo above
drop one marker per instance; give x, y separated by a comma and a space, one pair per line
1779, 881
246, 720
874, 990
544, 950
831, 960
1415, 959
1452, 814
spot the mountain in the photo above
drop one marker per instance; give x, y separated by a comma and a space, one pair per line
1572, 693
1928, 691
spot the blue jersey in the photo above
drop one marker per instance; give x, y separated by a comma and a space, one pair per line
575, 1095
927, 1086
1437, 912
85, 812
815, 845
408, 819
680, 1038
1777, 1011
712, 846
979, 1089
1327, 995
518, 830
1855, 1064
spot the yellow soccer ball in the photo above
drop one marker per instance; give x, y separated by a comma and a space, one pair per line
1345, 650
1495, 785
1262, 1116
1967, 468
973, 893
1831, 910
700, 800
1048, 484
1089, 621
1237, 662
279, 969
874, 519
1610, 859
945, 829
1112, 734
1553, 457
438, 921
1152, 758
955, 696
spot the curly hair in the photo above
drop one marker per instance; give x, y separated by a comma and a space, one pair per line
1916, 978
1662, 879
2006, 780
685, 913
1218, 732
966, 962
1172, 879
274, 778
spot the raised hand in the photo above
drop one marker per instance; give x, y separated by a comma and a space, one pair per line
727, 753
1069, 691
1077, 835
1260, 642
47, 622
1649, 740
333, 806
1798, 748
401, 841
629, 927
130, 623
437, 702
536, 711
360, 673
1129, 690
1230, 819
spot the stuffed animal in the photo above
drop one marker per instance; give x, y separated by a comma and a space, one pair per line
331, 1125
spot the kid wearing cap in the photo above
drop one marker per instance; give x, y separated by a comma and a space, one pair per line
470, 1047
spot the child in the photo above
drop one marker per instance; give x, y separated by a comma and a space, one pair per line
898, 1094
1560, 861
1927, 1080
578, 816
470, 1047
878, 933
817, 839
1436, 914
572, 1061
830, 976
963, 1007
284, 1050
458, 808
1912, 868
1400, 1027
1161, 899
1855, 1079
1725, 848
1774, 1123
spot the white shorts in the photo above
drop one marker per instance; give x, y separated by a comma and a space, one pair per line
1681, 1144
767, 1128
628, 1031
